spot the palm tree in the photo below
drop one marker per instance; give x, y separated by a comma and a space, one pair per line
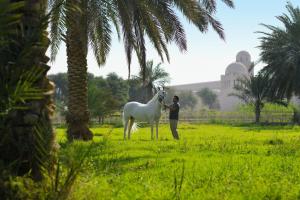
254, 91
137, 19
154, 77
26, 131
280, 51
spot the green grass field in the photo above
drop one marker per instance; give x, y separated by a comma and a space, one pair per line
209, 162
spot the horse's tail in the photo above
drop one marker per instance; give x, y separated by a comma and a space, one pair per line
123, 119
134, 127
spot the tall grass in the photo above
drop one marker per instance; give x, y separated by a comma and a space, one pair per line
209, 162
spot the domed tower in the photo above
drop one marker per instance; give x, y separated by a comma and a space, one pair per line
245, 58
238, 69
233, 71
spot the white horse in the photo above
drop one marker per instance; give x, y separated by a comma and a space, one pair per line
149, 112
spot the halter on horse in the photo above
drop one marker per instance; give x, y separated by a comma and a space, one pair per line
149, 112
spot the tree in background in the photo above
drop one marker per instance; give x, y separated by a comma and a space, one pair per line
254, 91
61, 86
91, 24
110, 96
118, 88
61, 92
105, 95
101, 99
155, 76
135, 91
209, 98
170, 94
280, 51
187, 99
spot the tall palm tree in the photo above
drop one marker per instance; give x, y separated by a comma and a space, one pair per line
155, 76
92, 24
253, 91
27, 136
280, 51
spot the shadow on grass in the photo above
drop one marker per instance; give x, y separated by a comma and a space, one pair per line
275, 141
96, 134
267, 127
115, 164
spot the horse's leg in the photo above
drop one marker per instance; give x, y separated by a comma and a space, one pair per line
156, 123
152, 138
125, 127
130, 126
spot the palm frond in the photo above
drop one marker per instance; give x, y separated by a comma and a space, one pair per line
280, 49
229, 3
8, 19
99, 30
210, 5
170, 24
193, 12
57, 25
127, 27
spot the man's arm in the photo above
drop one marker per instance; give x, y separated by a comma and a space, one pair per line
171, 107
166, 106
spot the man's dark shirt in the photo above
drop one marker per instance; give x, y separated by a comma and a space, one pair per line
174, 111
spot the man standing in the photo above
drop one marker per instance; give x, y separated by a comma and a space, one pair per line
173, 116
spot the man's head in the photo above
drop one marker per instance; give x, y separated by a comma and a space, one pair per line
175, 99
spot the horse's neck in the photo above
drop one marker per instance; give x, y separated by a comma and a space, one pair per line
155, 105
153, 100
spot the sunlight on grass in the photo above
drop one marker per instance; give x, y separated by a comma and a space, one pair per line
209, 162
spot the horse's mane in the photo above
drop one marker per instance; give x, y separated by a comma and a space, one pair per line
153, 98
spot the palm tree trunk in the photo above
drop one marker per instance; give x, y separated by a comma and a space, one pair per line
30, 128
78, 115
296, 115
257, 112
148, 94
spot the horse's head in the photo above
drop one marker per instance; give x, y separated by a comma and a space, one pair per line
161, 95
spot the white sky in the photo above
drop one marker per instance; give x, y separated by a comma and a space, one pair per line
207, 56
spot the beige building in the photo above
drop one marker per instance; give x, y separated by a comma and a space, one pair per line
239, 68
